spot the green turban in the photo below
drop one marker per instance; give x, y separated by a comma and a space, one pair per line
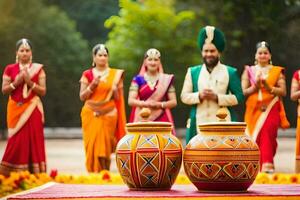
210, 34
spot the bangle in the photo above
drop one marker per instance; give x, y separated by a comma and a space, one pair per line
162, 105
33, 86
141, 103
12, 86
253, 89
272, 90
89, 89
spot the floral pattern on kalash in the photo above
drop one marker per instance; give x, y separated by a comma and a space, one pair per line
149, 159
222, 158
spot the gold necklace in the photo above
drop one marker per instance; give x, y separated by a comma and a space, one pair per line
103, 74
151, 80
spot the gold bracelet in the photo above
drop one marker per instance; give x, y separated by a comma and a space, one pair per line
11, 85
33, 86
141, 103
89, 89
272, 90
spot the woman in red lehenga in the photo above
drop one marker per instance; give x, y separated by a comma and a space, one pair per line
153, 89
24, 81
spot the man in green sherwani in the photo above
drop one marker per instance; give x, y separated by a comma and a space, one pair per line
210, 85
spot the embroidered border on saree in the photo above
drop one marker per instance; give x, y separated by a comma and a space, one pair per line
163, 84
18, 115
6, 167
107, 105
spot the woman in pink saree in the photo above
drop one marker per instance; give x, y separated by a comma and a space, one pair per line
152, 89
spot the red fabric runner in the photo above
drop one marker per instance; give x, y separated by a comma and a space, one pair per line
69, 191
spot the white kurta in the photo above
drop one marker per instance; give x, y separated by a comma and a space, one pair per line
217, 81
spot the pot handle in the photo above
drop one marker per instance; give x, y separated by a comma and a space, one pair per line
145, 114
222, 114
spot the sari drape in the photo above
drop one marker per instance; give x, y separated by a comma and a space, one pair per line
103, 119
25, 148
296, 84
158, 93
297, 166
264, 115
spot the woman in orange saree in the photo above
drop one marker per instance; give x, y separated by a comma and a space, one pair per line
153, 89
24, 81
264, 85
103, 114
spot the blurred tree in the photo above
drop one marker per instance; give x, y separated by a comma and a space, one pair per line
56, 44
140, 24
89, 16
146, 24
247, 22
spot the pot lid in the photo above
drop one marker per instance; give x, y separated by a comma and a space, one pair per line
145, 124
222, 114
149, 124
222, 124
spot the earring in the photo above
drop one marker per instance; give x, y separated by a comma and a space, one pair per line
255, 62
93, 64
17, 59
270, 62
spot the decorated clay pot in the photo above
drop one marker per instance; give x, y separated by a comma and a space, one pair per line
149, 157
221, 157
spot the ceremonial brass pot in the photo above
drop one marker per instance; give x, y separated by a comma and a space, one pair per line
221, 157
149, 157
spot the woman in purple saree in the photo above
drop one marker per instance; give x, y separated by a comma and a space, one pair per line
153, 89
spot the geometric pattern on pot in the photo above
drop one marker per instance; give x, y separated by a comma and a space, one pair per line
204, 171
173, 164
171, 143
147, 141
125, 144
252, 169
207, 172
222, 142
123, 162
148, 165
235, 170
210, 170
155, 157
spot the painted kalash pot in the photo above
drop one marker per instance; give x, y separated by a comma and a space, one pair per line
149, 157
221, 158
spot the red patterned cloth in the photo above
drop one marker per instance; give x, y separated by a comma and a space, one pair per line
72, 191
